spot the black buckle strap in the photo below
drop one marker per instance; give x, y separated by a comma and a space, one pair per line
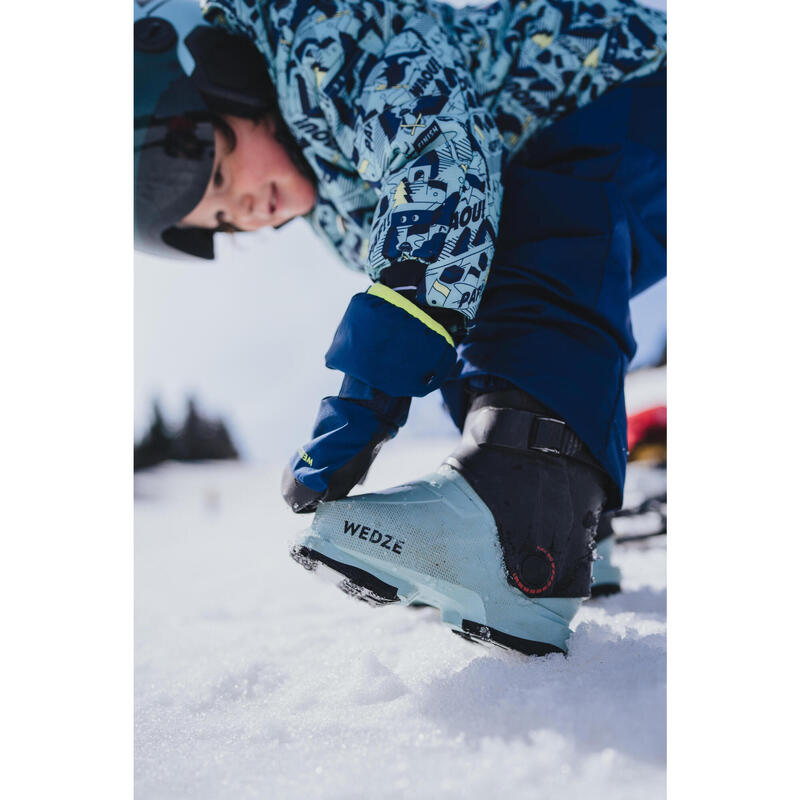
516, 429
551, 435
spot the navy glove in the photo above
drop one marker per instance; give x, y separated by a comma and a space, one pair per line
347, 435
389, 350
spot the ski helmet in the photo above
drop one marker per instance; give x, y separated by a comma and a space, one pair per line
185, 72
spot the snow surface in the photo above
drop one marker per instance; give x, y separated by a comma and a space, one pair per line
254, 678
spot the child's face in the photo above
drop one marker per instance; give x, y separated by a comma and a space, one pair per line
253, 184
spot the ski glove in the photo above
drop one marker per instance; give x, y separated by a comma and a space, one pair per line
392, 344
347, 435
390, 350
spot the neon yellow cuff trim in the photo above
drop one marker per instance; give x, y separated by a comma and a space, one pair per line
396, 299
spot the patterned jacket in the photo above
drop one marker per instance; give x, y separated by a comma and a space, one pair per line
407, 111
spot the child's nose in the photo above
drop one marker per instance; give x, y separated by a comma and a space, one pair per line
245, 205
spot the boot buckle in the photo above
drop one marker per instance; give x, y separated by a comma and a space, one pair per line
547, 435
523, 430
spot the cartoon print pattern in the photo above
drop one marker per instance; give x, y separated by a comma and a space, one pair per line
407, 110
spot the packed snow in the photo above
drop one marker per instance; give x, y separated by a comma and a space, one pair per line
254, 678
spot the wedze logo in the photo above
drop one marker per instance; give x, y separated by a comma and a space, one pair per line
374, 536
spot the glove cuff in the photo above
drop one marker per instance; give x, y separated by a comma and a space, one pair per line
391, 344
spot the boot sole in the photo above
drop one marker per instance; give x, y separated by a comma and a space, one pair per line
367, 587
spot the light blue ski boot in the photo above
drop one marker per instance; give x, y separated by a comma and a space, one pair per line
434, 541
499, 538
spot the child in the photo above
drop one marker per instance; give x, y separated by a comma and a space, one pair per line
400, 129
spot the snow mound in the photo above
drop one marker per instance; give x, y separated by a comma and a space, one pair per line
254, 678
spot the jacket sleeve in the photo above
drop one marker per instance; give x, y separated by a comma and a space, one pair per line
401, 105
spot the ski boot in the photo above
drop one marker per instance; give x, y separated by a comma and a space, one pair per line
499, 538
606, 576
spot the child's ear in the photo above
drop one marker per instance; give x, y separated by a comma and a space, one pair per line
268, 120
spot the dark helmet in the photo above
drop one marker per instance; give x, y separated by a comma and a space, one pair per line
185, 72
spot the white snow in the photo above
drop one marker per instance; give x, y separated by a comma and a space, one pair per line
254, 678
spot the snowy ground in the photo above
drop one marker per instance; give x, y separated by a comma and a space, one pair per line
254, 678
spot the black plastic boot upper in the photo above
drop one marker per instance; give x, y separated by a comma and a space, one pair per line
542, 486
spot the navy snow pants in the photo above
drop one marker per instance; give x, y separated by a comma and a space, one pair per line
583, 229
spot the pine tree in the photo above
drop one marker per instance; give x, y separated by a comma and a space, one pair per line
200, 439
156, 445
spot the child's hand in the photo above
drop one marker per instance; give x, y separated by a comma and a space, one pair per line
390, 343
347, 435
